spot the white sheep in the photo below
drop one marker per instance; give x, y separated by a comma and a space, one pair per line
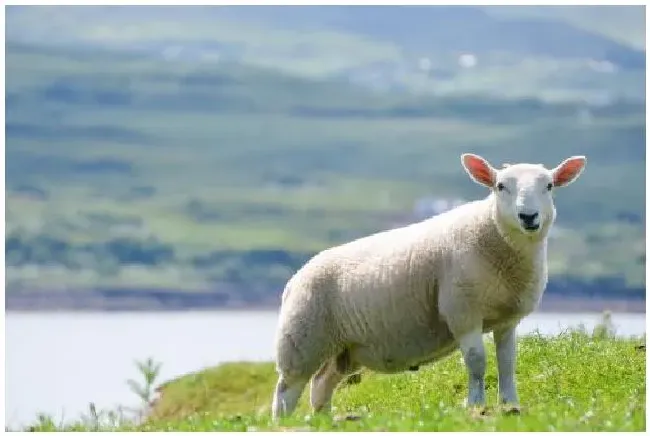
404, 297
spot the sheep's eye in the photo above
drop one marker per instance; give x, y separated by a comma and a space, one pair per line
549, 186
500, 186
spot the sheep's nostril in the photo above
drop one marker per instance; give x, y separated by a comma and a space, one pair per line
528, 218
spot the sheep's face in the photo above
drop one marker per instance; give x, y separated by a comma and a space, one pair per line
523, 192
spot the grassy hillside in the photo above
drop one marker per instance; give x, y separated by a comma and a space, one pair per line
574, 382
125, 170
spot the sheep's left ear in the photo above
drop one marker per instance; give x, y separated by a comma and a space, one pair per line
569, 170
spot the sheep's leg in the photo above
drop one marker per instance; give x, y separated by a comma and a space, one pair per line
506, 347
323, 385
287, 394
471, 346
300, 352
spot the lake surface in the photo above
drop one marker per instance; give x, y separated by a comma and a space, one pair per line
57, 363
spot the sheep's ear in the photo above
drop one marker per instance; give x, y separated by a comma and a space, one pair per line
479, 169
569, 170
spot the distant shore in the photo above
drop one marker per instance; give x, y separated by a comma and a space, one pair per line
160, 300
552, 303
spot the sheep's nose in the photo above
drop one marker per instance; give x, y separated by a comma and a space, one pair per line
528, 218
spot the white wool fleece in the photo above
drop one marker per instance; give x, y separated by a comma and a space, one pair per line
380, 292
408, 296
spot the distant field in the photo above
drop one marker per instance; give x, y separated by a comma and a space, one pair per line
121, 167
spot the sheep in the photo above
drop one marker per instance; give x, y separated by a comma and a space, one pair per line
406, 297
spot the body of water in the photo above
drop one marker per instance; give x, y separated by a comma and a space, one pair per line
57, 363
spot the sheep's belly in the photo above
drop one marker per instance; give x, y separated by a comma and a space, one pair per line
396, 353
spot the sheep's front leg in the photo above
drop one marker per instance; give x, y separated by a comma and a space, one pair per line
506, 345
473, 350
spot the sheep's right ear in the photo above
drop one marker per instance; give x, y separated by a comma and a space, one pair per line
479, 169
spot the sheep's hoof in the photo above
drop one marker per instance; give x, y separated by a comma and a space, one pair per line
511, 409
347, 417
354, 379
478, 412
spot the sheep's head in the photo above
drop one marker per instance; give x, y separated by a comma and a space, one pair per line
523, 192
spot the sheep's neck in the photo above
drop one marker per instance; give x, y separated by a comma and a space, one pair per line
521, 261
533, 246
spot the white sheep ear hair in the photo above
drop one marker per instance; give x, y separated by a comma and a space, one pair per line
505, 165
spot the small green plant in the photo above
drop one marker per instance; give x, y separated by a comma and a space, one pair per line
149, 370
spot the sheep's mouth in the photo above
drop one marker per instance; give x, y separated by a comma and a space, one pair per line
531, 228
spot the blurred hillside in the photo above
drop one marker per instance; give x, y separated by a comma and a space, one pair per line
212, 150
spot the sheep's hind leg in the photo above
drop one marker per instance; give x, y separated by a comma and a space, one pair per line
323, 385
325, 381
287, 394
295, 369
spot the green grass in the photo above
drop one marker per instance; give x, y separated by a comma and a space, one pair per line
572, 382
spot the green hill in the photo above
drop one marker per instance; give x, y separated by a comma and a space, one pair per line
602, 389
130, 171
